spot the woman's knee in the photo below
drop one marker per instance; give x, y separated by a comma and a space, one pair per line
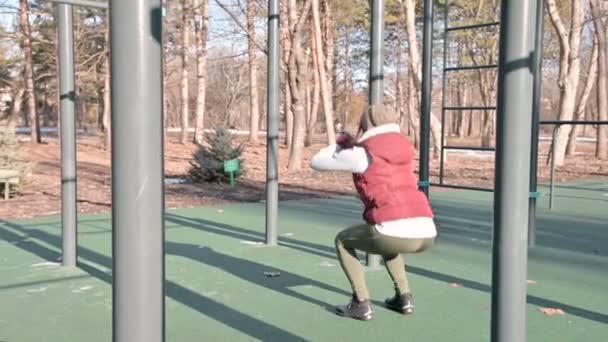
425, 244
339, 238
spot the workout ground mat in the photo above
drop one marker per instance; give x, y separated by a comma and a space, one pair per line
217, 289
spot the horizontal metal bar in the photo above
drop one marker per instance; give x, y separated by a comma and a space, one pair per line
470, 108
82, 3
470, 67
472, 26
469, 148
462, 187
574, 123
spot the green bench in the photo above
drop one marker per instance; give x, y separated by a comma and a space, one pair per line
8, 177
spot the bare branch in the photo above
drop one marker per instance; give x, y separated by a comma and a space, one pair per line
558, 23
236, 20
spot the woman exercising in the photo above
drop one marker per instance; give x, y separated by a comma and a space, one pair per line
398, 217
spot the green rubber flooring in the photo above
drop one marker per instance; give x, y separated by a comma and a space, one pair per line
216, 289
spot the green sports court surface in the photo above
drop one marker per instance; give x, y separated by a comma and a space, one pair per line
217, 290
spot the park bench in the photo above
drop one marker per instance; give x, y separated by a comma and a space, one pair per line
8, 177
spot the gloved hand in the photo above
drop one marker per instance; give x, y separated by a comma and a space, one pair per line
345, 140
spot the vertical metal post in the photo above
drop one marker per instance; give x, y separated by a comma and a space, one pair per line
376, 59
67, 98
514, 124
272, 117
376, 75
553, 153
538, 62
137, 171
426, 96
444, 87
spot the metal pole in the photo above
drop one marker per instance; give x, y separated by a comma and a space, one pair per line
426, 99
513, 140
272, 117
553, 152
67, 97
137, 171
376, 75
83, 3
538, 62
444, 86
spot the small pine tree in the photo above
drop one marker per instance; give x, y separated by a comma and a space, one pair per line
208, 160
11, 156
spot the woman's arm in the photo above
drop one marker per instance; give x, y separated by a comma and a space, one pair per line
334, 158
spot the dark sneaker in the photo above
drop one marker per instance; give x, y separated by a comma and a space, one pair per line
356, 309
402, 303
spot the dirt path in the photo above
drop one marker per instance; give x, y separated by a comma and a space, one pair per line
41, 196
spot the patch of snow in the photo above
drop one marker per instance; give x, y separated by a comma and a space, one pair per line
46, 264
40, 289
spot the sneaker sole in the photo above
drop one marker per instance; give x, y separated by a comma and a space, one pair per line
365, 317
403, 311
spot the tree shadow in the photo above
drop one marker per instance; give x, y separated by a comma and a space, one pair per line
206, 306
580, 234
328, 252
253, 272
584, 235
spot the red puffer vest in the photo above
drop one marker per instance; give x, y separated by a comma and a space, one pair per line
389, 188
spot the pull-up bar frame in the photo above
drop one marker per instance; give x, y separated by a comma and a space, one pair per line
82, 3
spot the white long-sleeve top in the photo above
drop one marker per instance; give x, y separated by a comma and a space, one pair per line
357, 160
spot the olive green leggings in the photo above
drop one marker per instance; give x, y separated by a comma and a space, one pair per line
367, 239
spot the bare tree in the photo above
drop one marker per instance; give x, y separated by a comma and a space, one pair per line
409, 8
325, 90
107, 107
24, 24
582, 103
286, 28
184, 80
201, 29
412, 108
234, 78
569, 68
17, 105
254, 111
348, 89
314, 110
327, 26
602, 81
400, 109
296, 71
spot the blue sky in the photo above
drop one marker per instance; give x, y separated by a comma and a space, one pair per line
219, 21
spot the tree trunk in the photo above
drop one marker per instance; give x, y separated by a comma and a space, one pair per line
602, 82
409, 9
569, 69
347, 80
463, 115
107, 105
471, 126
411, 103
582, 104
29, 71
254, 111
201, 27
324, 82
487, 93
184, 80
399, 109
286, 38
297, 76
17, 105
330, 56
314, 110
